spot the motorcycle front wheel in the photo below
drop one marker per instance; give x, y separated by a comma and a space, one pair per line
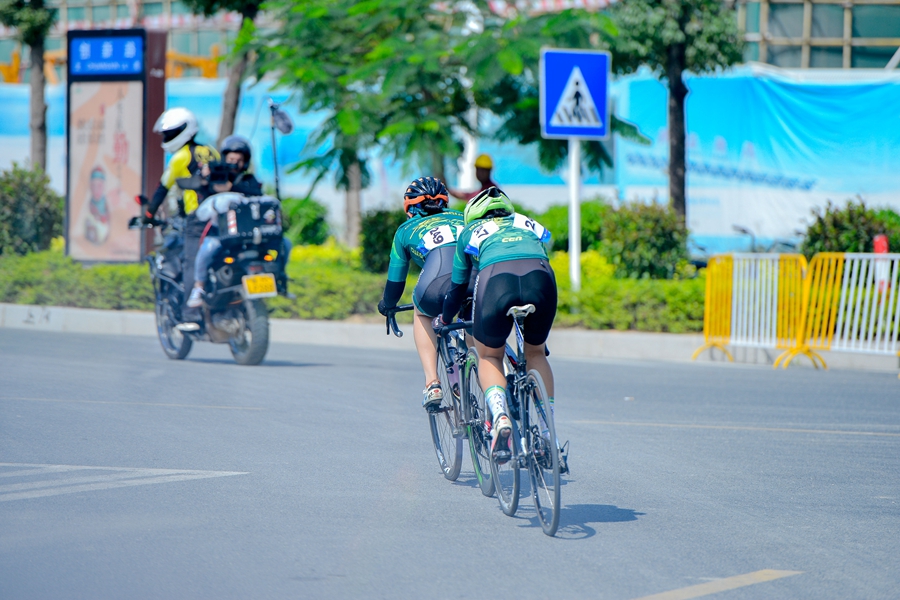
249, 347
174, 343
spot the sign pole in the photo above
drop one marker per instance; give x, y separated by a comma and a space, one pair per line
575, 106
575, 213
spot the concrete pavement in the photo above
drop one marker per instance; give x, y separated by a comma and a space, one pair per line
127, 475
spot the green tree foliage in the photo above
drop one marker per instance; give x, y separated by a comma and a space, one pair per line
672, 36
378, 228
304, 221
644, 241
31, 213
850, 228
505, 60
248, 9
314, 49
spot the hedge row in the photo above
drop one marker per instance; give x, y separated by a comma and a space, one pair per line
330, 283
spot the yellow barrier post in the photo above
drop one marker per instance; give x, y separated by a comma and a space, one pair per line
791, 276
821, 292
717, 310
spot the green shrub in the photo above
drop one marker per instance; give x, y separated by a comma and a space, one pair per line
330, 284
31, 213
378, 229
49, 278
304, 221
851, 228
556, 219
644, 241
605, 302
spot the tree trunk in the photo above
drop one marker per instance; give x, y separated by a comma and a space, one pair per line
437, 166
354, 186
677, 93
232, 98
38, 108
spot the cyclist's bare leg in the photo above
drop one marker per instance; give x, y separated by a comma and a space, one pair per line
536, 358
490, 369
426, 344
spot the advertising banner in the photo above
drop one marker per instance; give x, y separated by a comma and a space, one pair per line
105, 169
765, 147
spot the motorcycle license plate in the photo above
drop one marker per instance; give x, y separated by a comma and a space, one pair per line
259, 286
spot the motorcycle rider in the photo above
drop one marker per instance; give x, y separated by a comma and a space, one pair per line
179, 128
235, 150
427, 238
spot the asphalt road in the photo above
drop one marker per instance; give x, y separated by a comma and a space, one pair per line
126, 475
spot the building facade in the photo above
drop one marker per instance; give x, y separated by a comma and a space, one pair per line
834, 34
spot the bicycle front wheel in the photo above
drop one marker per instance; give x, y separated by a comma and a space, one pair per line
445, 429
543, 455
479, 437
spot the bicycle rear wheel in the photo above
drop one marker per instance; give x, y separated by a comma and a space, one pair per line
445, 430
543, 455
479, 437
506, 475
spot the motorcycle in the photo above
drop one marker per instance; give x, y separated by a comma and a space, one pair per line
242, 275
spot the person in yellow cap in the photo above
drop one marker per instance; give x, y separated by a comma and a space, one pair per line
483, 167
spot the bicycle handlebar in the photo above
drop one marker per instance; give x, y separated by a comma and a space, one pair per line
453, 327
391, 319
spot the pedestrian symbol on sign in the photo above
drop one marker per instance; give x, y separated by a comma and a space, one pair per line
576, 107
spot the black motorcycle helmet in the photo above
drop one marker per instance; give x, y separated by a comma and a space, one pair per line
236, 143
425, 195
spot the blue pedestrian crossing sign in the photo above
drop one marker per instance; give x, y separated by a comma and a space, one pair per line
575, 94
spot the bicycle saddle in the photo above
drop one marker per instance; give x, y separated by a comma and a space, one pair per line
517, 312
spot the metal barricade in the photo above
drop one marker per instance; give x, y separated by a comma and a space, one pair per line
717, 307
753, 300
852, 304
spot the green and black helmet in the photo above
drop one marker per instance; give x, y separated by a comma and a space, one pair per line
491, 199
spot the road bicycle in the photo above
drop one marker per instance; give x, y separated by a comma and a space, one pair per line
532, 442
462, 411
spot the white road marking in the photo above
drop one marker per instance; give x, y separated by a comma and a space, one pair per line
169, 405
111, 478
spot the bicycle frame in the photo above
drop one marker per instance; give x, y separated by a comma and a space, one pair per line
519, 393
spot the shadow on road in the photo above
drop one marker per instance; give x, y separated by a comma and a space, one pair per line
265, 363
574, 519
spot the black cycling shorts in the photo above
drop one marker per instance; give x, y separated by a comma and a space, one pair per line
503, 285
434, 281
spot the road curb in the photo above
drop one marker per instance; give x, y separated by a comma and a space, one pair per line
568, 343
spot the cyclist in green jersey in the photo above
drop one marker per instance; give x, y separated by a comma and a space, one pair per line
428, 238
509, 251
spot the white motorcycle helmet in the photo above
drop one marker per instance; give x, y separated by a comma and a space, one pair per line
177, 126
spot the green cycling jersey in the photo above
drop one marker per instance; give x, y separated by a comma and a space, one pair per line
488, 241
420, 235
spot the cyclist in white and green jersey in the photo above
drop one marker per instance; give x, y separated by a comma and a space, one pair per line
428, 239
509, 251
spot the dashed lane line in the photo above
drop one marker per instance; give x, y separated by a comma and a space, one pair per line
105, 478
738, 428
168, 405
721, 585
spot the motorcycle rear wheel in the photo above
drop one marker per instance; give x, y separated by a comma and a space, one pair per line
174, 343
250, 346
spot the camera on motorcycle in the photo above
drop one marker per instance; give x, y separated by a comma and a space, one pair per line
221, 172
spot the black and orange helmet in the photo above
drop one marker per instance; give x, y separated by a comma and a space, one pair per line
429, 193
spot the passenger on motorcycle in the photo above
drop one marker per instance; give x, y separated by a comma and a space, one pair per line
178, 127
427, 238
508, 249
235, 150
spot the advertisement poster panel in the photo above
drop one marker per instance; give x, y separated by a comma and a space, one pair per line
105, 170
